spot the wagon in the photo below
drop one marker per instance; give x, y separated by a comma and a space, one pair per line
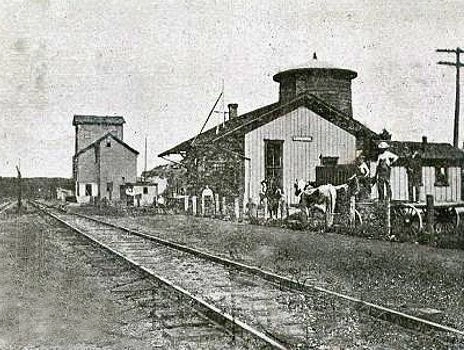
410, 218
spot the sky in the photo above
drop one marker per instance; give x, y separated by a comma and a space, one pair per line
161, 64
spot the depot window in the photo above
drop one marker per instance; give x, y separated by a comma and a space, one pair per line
441, 176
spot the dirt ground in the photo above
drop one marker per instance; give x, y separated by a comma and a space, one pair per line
404, 276
55, 293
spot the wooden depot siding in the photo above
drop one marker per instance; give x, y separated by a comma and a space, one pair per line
399, 183
300, 158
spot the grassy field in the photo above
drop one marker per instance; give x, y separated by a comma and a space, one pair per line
399, 275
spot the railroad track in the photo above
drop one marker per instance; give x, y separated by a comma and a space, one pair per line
147, 311
6, 205
269, 308
137, 252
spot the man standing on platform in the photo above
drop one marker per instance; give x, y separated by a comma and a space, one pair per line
414, 171
383, 170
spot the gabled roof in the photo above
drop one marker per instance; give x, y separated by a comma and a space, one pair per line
96, 142
254, 119
427, 150
95, 119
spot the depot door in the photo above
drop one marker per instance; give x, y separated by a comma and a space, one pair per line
273, 155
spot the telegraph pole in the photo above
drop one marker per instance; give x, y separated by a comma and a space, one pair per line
145, 165
19, 189
458, 65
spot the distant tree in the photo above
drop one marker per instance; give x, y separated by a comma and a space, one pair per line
385, 135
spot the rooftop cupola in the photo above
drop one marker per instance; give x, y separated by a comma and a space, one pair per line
331, 84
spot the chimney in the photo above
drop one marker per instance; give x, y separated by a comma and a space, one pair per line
232, 110
424, 139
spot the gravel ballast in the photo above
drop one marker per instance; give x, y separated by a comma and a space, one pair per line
59, 292
403, 276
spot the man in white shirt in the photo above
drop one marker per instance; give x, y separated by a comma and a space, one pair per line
363, 178
360, 181
383, 170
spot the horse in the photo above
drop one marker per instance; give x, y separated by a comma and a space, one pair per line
323, 197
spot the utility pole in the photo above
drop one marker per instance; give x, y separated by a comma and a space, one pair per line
145, 165
19, 189
458, 65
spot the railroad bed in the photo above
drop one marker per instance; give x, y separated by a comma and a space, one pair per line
6, 205
198, 324
279, 313
61, 291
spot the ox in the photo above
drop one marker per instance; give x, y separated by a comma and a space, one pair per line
323, 197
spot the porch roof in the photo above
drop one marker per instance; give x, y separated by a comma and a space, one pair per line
427, 150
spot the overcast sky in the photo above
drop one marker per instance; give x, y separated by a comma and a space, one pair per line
160, 64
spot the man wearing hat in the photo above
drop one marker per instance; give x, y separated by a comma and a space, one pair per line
383, 170
414, 173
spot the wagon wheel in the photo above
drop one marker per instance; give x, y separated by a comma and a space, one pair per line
446, 221
406, 220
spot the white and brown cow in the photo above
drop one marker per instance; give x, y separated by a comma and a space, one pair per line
323, 197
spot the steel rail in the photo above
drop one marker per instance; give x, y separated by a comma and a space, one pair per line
378, 311
224, 320
6, 206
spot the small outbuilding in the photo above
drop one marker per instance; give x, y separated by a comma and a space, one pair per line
141, 194
62, 194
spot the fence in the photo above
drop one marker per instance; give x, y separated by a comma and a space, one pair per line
215, 206
234, 209
227, 208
